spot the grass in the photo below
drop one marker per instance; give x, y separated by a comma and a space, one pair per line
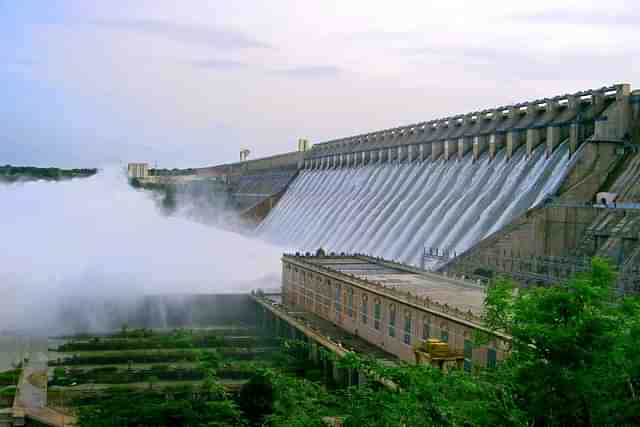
10, 377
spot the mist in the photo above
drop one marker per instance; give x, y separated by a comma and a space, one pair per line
75, 252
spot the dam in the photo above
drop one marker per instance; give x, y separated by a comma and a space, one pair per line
445, 184
394, 210
451, 194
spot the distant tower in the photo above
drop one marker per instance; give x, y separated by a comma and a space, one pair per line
303, 144
244, 154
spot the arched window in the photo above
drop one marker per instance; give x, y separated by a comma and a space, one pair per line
468, 355
377, 313
407, 327
327, 297
426, 327
444, 332
338, 292
491, 357
392, 320
364, 309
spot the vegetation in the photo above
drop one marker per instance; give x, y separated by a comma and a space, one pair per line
574, 362
171, 172
154, 408
10, 377
10, 173
114, 375
165, 342
7, 394
167, 193
574, 359
158, 356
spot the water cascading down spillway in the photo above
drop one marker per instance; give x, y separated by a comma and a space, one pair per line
395, 210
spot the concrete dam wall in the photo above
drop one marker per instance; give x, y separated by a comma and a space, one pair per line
157, 311
447, 183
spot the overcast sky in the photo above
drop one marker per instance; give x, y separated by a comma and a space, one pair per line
189, 83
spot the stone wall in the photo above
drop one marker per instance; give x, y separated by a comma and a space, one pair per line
279, 162
251, 190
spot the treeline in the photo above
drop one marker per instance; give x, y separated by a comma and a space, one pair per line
172, 172
10, 173
167, 342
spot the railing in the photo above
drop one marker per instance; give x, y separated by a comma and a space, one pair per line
567, 100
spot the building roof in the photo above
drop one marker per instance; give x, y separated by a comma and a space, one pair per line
461, 294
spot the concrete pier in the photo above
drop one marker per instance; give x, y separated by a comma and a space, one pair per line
534, 138
450, 148
554, 137
465, 144
437, 149
496, 142
480, 145
574, 137
514, 141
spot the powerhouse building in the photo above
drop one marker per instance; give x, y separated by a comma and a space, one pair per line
393, 306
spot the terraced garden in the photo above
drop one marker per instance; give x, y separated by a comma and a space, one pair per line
159, 359
177, 376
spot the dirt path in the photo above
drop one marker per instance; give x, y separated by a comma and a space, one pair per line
31, 398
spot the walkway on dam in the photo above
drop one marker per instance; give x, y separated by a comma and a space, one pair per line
31, 397
589, 205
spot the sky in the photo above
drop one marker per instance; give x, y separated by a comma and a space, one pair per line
190, 83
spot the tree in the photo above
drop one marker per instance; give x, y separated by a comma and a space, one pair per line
572, 360
257, 397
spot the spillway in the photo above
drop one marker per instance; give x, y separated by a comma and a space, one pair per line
396, 209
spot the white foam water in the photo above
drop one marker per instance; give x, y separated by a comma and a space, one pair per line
395, 210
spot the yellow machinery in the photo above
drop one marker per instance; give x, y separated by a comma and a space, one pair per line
436, 353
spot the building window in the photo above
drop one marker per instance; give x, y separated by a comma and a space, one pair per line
444, 336
327, 297
350, 302
491, 358
377, 313
426, 328
337, 298
364, 309
392, 320
468, 355
407, 327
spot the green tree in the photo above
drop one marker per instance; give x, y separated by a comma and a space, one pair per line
572, 361
257, 397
